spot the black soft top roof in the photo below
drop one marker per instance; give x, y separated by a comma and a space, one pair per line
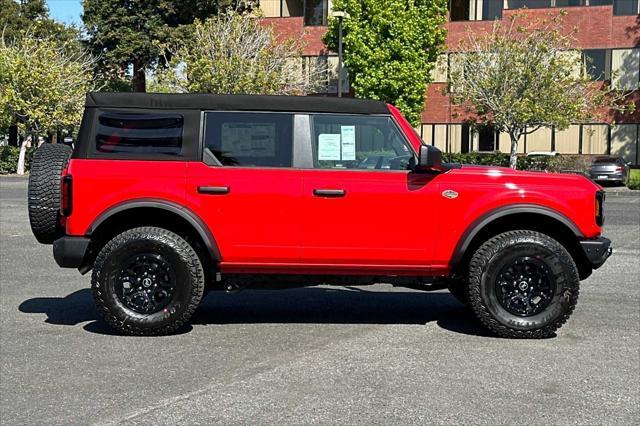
235, 103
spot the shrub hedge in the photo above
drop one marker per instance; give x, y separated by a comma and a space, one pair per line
9, 159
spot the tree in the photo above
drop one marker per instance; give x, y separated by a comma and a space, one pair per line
128, 34
521, 77
32, 17
43, 84
236, 53
390, 48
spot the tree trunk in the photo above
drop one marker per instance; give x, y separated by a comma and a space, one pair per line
139, 77
513, 159
54, 137
22, 156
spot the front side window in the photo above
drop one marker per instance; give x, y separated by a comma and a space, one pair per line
250, 139
358, 143
139, 133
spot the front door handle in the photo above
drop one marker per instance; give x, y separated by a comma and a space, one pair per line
329, 193
213, 190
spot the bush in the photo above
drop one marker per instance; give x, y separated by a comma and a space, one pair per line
9, 159
634, 179
497, 159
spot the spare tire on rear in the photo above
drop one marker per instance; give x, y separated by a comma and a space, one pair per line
44, 190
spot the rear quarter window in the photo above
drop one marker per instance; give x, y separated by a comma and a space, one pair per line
139, 133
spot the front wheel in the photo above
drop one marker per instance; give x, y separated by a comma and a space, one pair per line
147, 281
522, 284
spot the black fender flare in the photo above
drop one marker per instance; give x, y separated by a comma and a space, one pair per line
193, 219
472, 230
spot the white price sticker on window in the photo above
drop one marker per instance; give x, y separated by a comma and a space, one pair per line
348, 134
329, 147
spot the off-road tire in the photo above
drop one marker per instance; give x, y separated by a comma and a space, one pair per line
189, 279
44, 191
483, 272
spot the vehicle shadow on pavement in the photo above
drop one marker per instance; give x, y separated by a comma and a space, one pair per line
299, 306
351, 305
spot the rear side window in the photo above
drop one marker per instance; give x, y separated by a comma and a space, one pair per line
139, 133
250, 139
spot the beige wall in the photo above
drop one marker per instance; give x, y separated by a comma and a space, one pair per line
504, 143
624, 141
568, 140
625, 68
270, 8
540, 140
594, 138
439, 72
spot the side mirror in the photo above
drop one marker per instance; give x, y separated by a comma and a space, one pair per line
429, 160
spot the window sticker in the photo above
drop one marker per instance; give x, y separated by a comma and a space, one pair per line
328, 147
348, 143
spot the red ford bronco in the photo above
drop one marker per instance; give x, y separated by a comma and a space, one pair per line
167, 196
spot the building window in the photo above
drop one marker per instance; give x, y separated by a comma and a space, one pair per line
567, 3
316, 12
625, 68
459, 10
597, 63
529, 4
487, 138
626, 7
475, 10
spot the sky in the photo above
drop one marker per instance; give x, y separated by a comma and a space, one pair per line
67, 11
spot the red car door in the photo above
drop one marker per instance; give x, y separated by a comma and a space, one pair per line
246, 189
362, 205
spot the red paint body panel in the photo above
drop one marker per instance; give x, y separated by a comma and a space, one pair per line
99, 185
388, 222
259, 220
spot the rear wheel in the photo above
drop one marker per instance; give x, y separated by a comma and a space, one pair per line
522, 284
147, 281
44, 190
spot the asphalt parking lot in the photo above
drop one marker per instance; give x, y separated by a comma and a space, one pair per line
321, 355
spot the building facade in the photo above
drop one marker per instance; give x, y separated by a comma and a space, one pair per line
607, 41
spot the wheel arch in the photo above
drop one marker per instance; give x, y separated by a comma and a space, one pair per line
531, 217
151, 212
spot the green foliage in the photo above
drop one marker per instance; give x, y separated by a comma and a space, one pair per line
235, 53
390, 48
127, 33
558, 164
43, 84
31, 18
520, 77
634, 179
495, 159
9, 159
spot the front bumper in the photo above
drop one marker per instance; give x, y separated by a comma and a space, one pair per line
70, 251
597, 250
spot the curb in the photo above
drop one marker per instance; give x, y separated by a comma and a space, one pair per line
629, 193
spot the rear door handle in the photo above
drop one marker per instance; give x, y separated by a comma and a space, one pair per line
329, 193
214, 190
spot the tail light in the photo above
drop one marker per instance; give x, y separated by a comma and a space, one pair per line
600, 208
66, 204
619, 169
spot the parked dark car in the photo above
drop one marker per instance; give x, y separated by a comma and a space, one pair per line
609, 169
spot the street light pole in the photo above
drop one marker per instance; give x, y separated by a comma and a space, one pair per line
340, 16
340, 57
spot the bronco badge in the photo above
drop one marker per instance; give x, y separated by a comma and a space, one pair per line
450, 194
